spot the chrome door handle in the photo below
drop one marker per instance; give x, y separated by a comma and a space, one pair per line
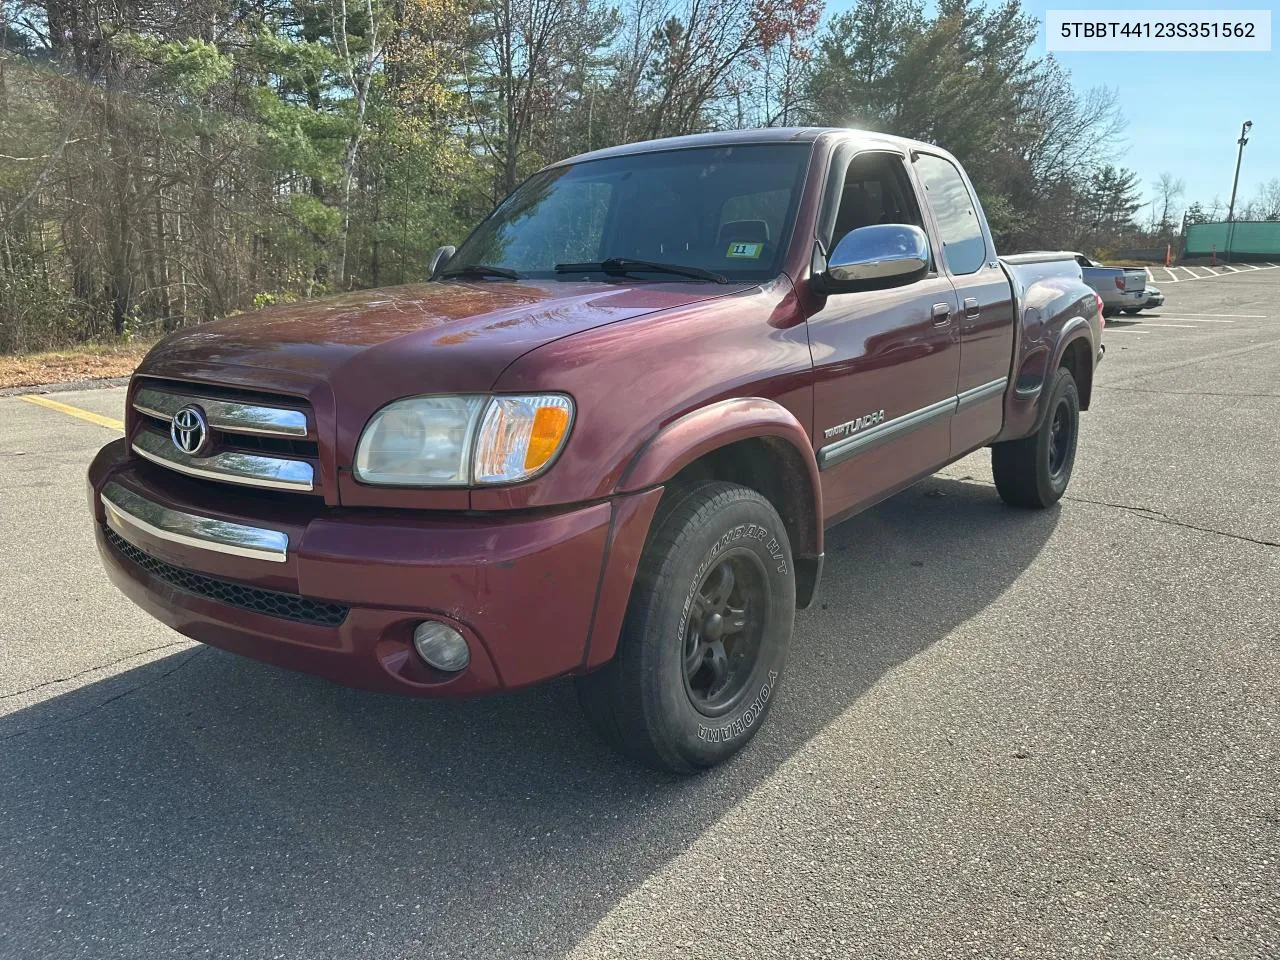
941, 314
971, 308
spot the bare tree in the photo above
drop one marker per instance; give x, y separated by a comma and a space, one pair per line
1266, 204
1168, 191
359, 60
526, 48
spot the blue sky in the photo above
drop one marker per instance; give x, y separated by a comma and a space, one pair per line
1184, 109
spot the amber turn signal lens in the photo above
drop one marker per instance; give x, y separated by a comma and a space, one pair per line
521, 436
549, 426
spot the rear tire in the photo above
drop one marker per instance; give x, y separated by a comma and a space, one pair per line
1133, 311
705, 636
1034, 471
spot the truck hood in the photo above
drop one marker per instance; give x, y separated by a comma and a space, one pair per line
422, 338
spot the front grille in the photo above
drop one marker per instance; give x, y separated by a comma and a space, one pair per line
252, 439
228, 440
306, 449
273, 603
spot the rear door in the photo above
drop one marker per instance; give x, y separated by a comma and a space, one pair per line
986, 315
885, 360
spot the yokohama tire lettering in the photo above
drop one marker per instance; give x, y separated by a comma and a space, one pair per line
740, 725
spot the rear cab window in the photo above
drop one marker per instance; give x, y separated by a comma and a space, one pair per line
964, 247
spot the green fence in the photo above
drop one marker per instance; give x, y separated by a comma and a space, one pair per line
1250, 239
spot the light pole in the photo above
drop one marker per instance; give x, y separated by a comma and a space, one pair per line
1235, 183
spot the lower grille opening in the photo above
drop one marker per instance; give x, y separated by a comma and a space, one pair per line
273, 603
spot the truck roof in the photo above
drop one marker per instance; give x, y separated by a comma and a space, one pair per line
758, 135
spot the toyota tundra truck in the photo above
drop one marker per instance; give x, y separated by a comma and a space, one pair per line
604, 439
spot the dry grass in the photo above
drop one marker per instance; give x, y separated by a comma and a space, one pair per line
89, 362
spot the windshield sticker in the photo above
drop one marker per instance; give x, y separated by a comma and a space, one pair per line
745, 251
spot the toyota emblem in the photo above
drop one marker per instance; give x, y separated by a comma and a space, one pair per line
189, 430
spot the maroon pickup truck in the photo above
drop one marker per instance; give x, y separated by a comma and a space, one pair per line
605, 438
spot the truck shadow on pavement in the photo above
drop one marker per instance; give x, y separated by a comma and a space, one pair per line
206, 803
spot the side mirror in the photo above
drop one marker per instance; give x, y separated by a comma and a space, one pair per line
438, 260
881, 255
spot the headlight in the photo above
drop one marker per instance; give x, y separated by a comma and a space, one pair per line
420, 442
463, 440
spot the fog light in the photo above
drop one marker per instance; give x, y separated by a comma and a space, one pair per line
441, 646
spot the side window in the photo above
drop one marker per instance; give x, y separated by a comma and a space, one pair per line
963, 245
1084, 261
876, 190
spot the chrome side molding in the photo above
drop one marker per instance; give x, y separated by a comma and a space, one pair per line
985, 391
228, 466
128, 513
224, 414
841, 450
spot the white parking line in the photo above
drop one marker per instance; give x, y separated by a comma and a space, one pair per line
1211, 274
1150, 276
1172, 276
1184, 326
1233, 316
1198, 319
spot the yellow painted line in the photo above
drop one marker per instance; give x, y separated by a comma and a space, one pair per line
89, 415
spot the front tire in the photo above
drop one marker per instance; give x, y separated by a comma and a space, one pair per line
706, 633
1133, 311
1034, 471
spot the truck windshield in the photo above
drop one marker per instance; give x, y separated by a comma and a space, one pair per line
722, 212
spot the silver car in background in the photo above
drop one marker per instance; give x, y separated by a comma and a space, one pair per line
1154, 299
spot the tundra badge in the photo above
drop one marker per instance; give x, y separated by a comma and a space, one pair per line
853, 426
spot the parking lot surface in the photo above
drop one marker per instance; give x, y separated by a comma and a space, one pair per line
1001, 733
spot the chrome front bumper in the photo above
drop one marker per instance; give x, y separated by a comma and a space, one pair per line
128, 513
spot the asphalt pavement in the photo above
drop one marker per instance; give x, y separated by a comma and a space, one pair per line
1000, 733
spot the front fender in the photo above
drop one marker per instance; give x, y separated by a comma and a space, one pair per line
717, 425
676, 446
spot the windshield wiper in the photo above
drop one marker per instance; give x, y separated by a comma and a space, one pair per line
620, 265
481, 270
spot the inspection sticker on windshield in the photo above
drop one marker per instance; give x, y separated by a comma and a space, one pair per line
745, 251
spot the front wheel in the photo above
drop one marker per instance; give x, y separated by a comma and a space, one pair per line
1133, 311
706, 633
1034, 471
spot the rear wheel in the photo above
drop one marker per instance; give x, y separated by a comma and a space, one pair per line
1132, 311
1034, 471
706, 633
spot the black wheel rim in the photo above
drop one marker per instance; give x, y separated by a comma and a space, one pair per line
723, 632
1061, 436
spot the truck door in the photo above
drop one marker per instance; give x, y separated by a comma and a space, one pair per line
885, 361
986, 316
